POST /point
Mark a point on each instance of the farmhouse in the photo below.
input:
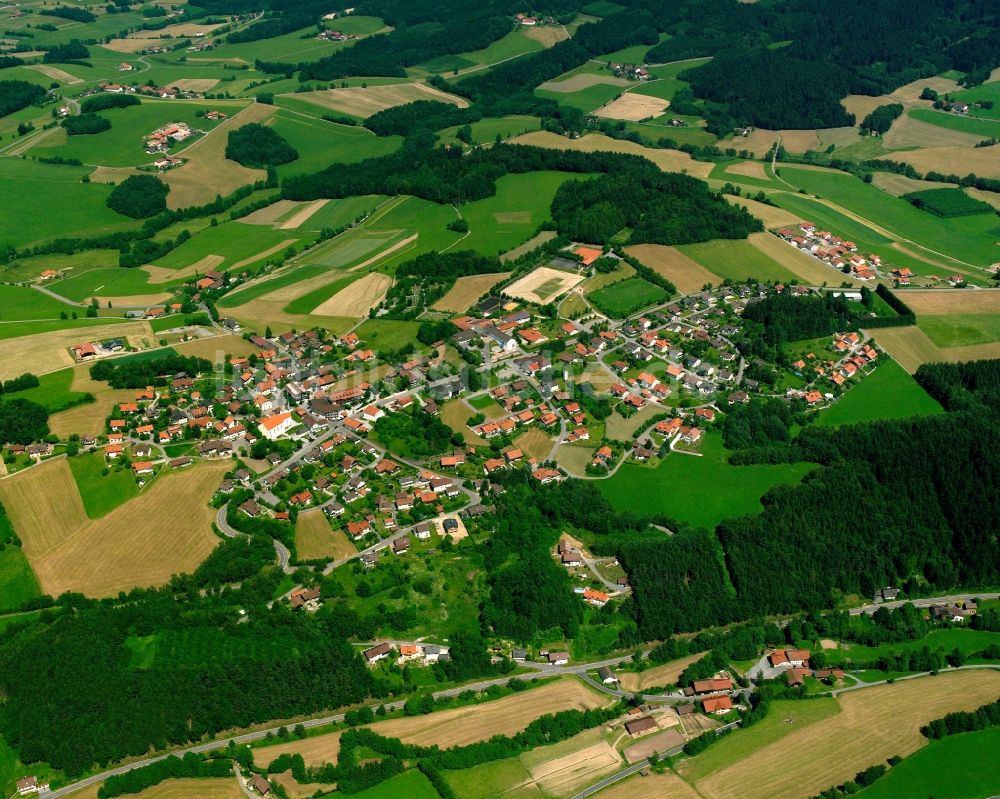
(789, 657)
(639, 726)
(717, 705)
(376, 653)
(30, 785)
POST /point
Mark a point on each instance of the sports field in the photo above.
(888, 393)
(736, 260)
(542, 285)
(314, 538)
(467, 290)
(140, 543)
(873, 725)
(700, 490)
(627, 296)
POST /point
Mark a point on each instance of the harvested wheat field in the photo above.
(467, 290)
(952, 301)
(563, 769)
(55, 73)
(910, 93)
(547, 35)
(980, 161)
(456, 413)
(181, 30)
(315, 539)
(657, 676)
(909, 132)
(46, 352)
(861, 105)
(194, 84)
(669, 262)
(360, 102)
(988, 197)
(215, 348)
(357, 299)
(542, 284)
(575, 83)
(206, 171)
(750, 169)
(160, 274)
(911, 346)
(770, 215)
(466, 725)
(533, 243)
(534, 443)
(302, 216)
(898, 185)
(656, 786)
(574, 459)
(190, 788)
(633, 107)
(88, 419)
(810, 270)
(141, 543)
(297, 790)
(113, 174)
(667, 160)
(316, 750)
(270, 214)
(873, 725)
(128, 46)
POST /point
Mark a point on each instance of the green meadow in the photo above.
(122, 145)
(387, 334)
(108, 281)
(52, 201)
(234, 241)
(485, 131)
(960, 330)
(627, 296)
(101, 494)
(987, 128)
(966, 641)
(736, 260)
(699, 490)
(888, 393)
(53, 390)
(969, 238)
(17, 580)
(512, 216)
(514, 44)
(321, 143)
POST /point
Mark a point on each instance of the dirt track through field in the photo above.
(873, 725)
(55, 73)
(167, 530)
(358, 298)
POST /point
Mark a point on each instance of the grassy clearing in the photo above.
(873, 725)
(736, 260)
(888, 393)
(314, 538)
(485, 131)
(322, 143)
(702, 491)
(959, 330)
(53, 202)
(627, 296)
(956, 767)
(513, 214)
(387, 334)
(412, 784)
(508, 778)
(54, 390)
(983, 128)
(101, 494)
(784, 718)
(967, 641)
(17, 580)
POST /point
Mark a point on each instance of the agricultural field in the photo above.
(509, 218)
(70, 552)
(887, 393)
(357, 299)
(699, 490)
(467, 290)
(17, 581)
(38, 350)
(180, 789)
(387, 334)
(314, 538)
(667, 160)
(486, 130)
(980, 128)
(873, 724)
(412, 784)
(669, 262)
(627, 296)
(321, 143)
(101, 494)
(736, 260)
(361, 103)
(658, 676)
(956, 767)
(229, 246)
(633, 107)
(807, 269)
(515, 43)
(86, 419)
(946, 640)
(911, 346)
(960, 330)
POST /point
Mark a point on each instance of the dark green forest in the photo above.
(18, 94)
(138, 196)
(256, 145)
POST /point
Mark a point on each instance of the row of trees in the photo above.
(141, 372)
